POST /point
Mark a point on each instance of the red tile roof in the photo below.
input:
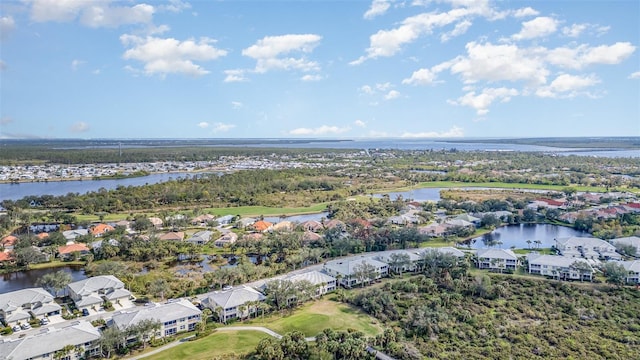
(101, 229)
(9, 240)
(6, 256)
(262, 225)
(71, 248)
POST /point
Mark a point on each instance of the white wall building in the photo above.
(21, 305)
(347, 268)
(559, 267)
(174, 317)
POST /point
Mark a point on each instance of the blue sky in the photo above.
(319, 69)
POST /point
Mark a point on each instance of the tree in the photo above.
(398, 261)
(582, 268)
(159, 288)
(365, 273)
(27, 255)
(614, 272)
(145, 330)
(54, 282)
(528, 215)
(111, 339)
(279, 293)
(490, 221)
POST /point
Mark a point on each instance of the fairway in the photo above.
(316, 316)
(224, 344)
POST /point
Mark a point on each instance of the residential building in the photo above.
(68, 251)
(202, 220)
(225, 220)
(48, 343)
(226, 239)
(172, 236)
(633, 271)
(559, 267)
(97, 245)
(334, 223)
(312, 225)
(8, 242)
(156, 222)
(246, 222)
(346, 269)
(21, 305)
(91, 293)
(629, 241)
(449, 251)
(496, 259)
(231, 304)
(262, 226)
(587, 247)
(201, 237)
(413, 259)
(71, 235)
(100, 229)
(309, 237)
(324, 283)
(174, 317)
(472, 219)
(283, 226)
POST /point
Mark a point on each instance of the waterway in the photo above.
(517, 235)
(28, 279)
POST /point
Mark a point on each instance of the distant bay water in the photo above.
(18, 191)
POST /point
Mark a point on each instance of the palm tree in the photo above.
(529, 243)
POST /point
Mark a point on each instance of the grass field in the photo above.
(502, 185)
(316, 316)
(227, 344)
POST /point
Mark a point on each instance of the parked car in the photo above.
(44, 321)
(25, 326)
(16, 328)
(227, 287)
(85, 312)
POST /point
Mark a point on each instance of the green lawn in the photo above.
(316, 316)
(267, 211)
(502, 185)
(224, 344)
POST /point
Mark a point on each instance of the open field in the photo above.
(316, 316)
(228, 344)
(503, 185)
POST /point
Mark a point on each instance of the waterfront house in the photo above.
(20, 306)
(282, 226)
(80, 337)
(174, 317)
(225, 220)
(633, 271)
(629, 241)
(312, 225)
(346, 270)
(262, 226)
(232, 303)
(472, 219)
(560, 267)
(496, 259)
(226, 239)
(93, 292)
(587, 247)
(200, 238)
(244, 223)
(202, 220)
(67, 252)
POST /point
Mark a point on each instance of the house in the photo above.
(448, 250)
(334, 223)
(97, 245)
(8, 242)
(174, 317)
(68, 251)
(231, 304)
(309, 237)
(6, 256)
(81, 335)
(435, 230)
(283, 226)
(253, 236)
(413, 256)
(559, 267)
(496, 259)
(629, 241)
(123, 223)
(227, 238)
(42, 236)
(405, 219)
(312, 225)
(173, 236)
(200, 238)
(472, 219)
(587, 247)
(23, 305)
(262, 226)
(245, 222)
(100, 229)
(202, 220)
(225, 220)
(633, 271)
(71, 235)
(91, 293)
(346, 270)
(156, 222)
(323, 283)
(460, 223)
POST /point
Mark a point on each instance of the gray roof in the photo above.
(94, 284)
(347, 266)
(386, 256)
(552, 260)
(631, 240)
(590, 242)
(447, 250)
(72, 234)
(497, 254)
(631, 266)
(48, 340)
(15, 299)
(201, 236)
(314, 277)
(232, 298)
(160, 312)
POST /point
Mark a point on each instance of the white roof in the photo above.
(631, 266)
(386, 256)
(446, 250)
(552, 260)
(160, 312)
(48, 341)
(94, 284)
(232, 298)
(15, 299)
(459, 222)
(496, 254)
(631, 240)
(347, 266)
(314, 277)
(584, 242)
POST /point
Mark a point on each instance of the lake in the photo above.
(517, 235)
(27, 279)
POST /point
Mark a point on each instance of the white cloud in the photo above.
(322, 130)
(455, 131)
(221, 127)
(566, 86)
(584, 55)
(378, 7)
(165, 56)
(309, 77)
(236, 104)
(366, 89)
(7, 24)
(175, 6)
(483, 100)
(268, 51)
(393, 94)
(458, 30)
(574, 30)
(421, 77)
(6, 120)
(635, 75)
(360, 123)
(79, 127)
(76, 63)
(524, 12)
(538, 27)
(235, 75)
(91, 13)
(203, 125)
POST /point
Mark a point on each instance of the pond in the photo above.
(27, 279)
(517, 235)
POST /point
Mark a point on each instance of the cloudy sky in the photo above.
(316, 69)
